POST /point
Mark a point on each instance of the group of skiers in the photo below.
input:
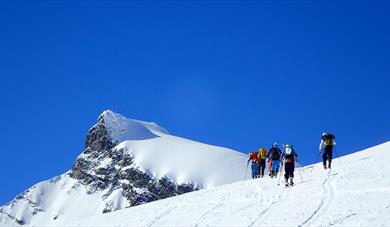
(275, 159)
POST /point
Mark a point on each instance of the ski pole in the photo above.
(280, 171)
(246, 170)
(299, 170)
(319, 153)
(337, 156)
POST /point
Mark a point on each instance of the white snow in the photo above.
(61, 195)
(120, 128)
(356, 192)
(187, 161)
(182, 160)
(63, 199)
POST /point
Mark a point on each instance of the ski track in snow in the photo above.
(162, 215)
(326, 200)
(209, 212)
(262, 215)
(339, 221)
(355, 194)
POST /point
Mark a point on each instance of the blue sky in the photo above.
(240, 74)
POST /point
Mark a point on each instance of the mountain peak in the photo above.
(120, 128)
(125, 163)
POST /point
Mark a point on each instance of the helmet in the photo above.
(324, 134)
(288, 145)
(275, 145)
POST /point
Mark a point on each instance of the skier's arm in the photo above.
(321, 146)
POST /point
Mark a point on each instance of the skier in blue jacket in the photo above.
(274, 159)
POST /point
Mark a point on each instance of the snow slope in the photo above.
(182, 160)
(356, 192)
(63, 199)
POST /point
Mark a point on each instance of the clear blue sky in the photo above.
(240, 74)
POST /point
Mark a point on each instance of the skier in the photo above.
(274, 160)
(326, 145)
(254, 160)
(262, 155)
(289, 155)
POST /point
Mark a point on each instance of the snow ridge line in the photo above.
(326, 200)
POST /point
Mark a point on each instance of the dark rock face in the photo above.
(102, 167)
(98, 138)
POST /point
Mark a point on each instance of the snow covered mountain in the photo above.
(356, 192)
(128, 162)
(125, 163)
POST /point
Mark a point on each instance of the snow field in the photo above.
(356, 192)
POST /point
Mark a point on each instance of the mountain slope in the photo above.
(125, 163)
(356, 192)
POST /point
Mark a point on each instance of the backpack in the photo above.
(262, 153)
(289, 157)
(328, 140)
(288, 150)
(275, 154)
(253, 157)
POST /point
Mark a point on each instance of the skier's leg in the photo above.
(262, 167)
(288, 173)
(324, 158)
(286, 169)
(259, 169)
(270, 168)
(291, 173)
(292, 176)
(275, 166)
(254, 169)
(330, 159)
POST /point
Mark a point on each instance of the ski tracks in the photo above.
(210, 211)
(326, 200)
(268, 208)
(156, 219)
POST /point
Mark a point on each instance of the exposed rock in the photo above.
(98, 138)
(101, 166)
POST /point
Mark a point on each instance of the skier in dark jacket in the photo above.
(274, 159)
(262, 155)
(289, 155)
(326, 145)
